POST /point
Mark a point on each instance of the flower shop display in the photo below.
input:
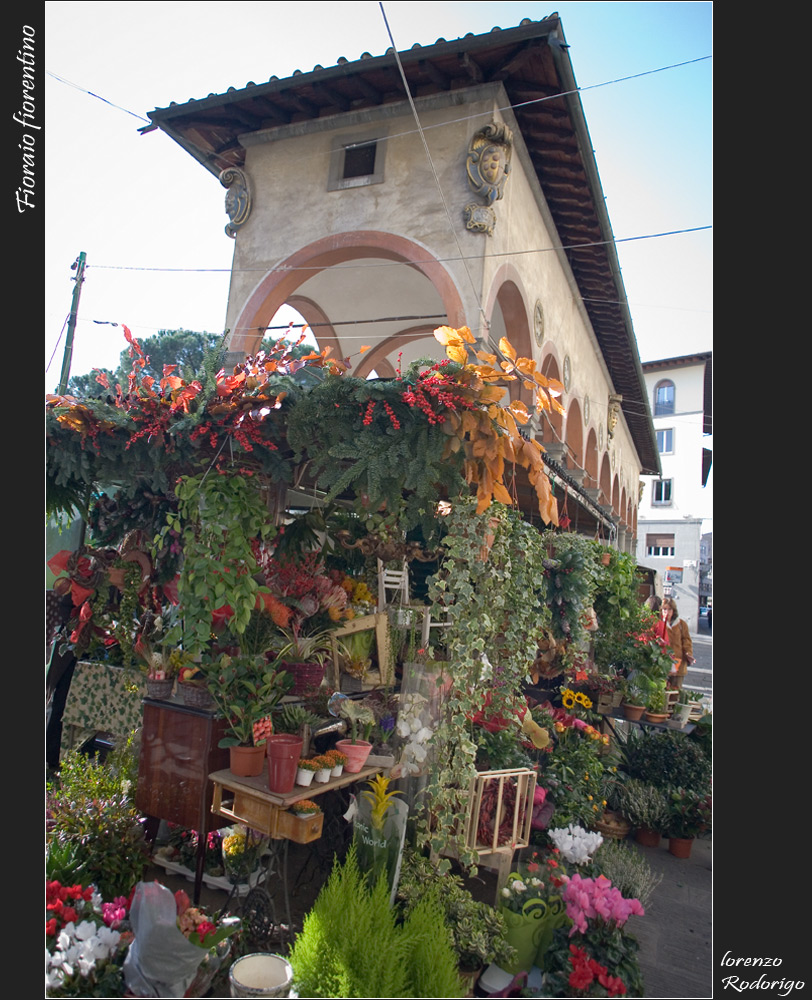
(645, 806)
(86, 941)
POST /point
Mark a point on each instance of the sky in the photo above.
(151, 220)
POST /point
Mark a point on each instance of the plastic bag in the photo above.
(160, 961)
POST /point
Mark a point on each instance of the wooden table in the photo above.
(250, 802)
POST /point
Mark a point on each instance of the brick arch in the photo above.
(278, 285)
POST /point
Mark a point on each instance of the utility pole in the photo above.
(79, 266)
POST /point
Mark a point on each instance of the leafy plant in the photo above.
(245, 689)
(478, 929)
(665, 758)
(218, 518)
(689, 812)
(93, 820)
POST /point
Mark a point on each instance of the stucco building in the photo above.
(451, 184)
(675, 503)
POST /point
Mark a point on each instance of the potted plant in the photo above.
(362, 720)
(646, 807)
(298, 720)
(338, 761)
(689, 812)
(305, 771)
(242, 850)
(324, 767)
(656, 704)
(245, 689)
(686, 700)
(634, 701)
(305, 807)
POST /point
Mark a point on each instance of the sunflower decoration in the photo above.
(571, 700)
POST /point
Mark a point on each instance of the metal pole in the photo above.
(79, 266)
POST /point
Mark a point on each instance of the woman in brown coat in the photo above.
(679, 636)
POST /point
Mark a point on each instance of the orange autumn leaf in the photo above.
(366, 347)
(489, 359)
(507, 348)
(447, 335)
(519, 411)
(501, 494)
(458, 353)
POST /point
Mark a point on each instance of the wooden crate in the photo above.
(301, 829)
(511, 820)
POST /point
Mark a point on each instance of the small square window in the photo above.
(665, 441)
(662, 491)
(356, 161)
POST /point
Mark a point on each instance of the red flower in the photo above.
(204, 929)
(614, 984)
(50, 927)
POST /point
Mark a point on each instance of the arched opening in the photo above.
(591, 459)
(553, 421)
(363, 288)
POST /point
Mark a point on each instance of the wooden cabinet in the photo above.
(178, 752)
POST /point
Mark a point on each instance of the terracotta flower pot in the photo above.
(246, 762)
(648, 838)
(680, 847)
(656, 716)
(633, 712)
(356, 754)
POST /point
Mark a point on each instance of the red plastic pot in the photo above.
(284, 751)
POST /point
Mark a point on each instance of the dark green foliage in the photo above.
(665, 758)
(497, 751)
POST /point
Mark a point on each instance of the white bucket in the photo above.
(260, 975)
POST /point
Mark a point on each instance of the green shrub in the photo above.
(351, 944)
(96, 834)
(665, 758)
